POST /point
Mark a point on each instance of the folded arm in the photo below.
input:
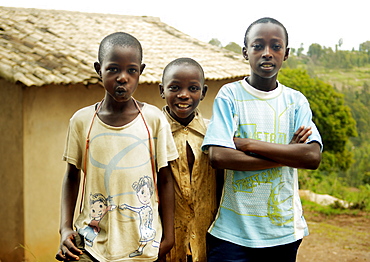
(305, 156)
(253, 154)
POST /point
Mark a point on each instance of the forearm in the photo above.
(166, 195)
(70, 189)
(229, 158)
(305, 156)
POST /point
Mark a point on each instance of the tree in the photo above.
(365, 47)
(216, 42)
(232, 46)
(331, 116)
(340, 42)
(300, 50)
(315, 51)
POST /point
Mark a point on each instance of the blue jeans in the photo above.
(224, 251)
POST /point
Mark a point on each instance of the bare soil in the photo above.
(336, 238)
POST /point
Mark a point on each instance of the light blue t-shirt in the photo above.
(259, 208)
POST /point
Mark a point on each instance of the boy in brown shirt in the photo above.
(195, 180)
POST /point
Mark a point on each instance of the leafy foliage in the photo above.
(232, 46)
(359, 172)
(216, 42)
(332, 117)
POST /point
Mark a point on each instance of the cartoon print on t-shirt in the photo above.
(144, 190)
(98, 208)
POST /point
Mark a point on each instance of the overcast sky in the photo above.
(315, 21)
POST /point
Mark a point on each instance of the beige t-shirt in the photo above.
(119, 219)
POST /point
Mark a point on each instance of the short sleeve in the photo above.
(223, 124)
(303, 115)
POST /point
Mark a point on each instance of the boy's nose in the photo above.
(267, 54)
(183, 94)
(122, 77)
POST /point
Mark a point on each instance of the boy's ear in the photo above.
(97, 68)
(245, 53)
(204, 91)
(161, 90)
(286, 54)
(142, 68)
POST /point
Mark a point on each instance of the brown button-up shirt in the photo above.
(195, 192)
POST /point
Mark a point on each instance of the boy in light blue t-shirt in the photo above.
(261, 131)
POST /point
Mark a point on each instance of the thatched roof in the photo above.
(40, 47)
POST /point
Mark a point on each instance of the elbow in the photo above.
(312, 157)
(215, 162)
(216, 159)
(314, 161)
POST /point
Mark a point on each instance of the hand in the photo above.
(68, 249)
(301, 135)
(165, 247)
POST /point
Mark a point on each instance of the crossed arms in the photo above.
(251, 154)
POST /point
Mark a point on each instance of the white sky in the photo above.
(315, 21)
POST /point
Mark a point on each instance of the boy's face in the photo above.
(183, 88)
(266, 49)
(120, 71)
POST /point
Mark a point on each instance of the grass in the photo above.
(330, 210)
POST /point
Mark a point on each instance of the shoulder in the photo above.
(289, 90)
(83, 114)
(232, 86)
(151, 110)
(153, 115)
(206, 121)
(296, 95)
(230, 91)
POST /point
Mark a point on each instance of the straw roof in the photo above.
(40, 47)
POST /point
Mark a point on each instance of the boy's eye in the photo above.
(257, 46)
(194, 88)
(173, 88)
(112, 69)
(276, 47)
(133, 70)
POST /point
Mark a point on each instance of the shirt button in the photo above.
(193, 236)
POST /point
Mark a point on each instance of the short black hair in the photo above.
(120, 39)
(265, 20)
(181, 61)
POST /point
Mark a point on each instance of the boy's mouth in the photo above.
(267, 65)
(183, 106)
(120, 91)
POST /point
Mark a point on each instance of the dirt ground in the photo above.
(336, 238)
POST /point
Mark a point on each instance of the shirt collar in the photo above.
(197, 124)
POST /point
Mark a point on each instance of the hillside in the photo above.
(341, 78)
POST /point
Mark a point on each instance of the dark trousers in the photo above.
(224, 251)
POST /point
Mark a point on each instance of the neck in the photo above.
(112, 106)
(263, 84)
(118, 113)
(182, 121)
